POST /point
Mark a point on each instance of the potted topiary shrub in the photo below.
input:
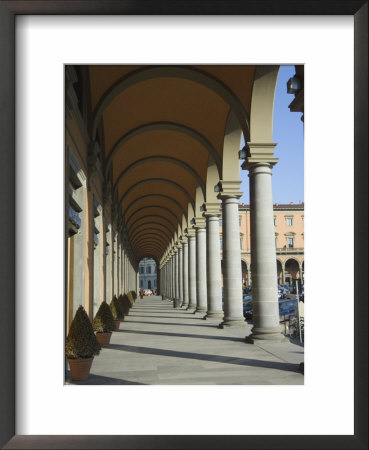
(81, 346)
(103, 324)
(130, 298)
(117, 312)
(126, 304)
(121, 304)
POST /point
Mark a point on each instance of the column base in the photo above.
(229, 323)
(214, 315)
(200, 313)
(184, 305)
(266, 335)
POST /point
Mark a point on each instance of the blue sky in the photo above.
(288, 173)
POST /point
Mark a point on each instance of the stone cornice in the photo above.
(259, 152)
(199, 222)
(229, 189)
(212, 209)
(71, 102)
(190, 232)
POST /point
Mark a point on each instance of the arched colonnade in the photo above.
(153, 163)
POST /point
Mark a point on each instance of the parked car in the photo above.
(287, 287)
(288, 307)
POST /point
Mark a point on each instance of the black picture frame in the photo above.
(8, 10)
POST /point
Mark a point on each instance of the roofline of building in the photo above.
(276, 206)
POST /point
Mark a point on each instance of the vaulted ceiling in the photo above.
(161, 128)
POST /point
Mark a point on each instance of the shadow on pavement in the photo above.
(166, 317)
(199, 336)
(209, 325)
(97, 379)
(288, 367)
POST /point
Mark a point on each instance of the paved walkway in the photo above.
(157, 344)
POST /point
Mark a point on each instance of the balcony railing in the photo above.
(285, 250)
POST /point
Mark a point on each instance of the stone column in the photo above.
(213, 265)
(122, 269)
(158, 281)
(165, 286)
(201, 288)
(119, 266)
(173, 280)
(170, 277)
(283, 274)
(127, 274)
(185, 274)
(192, 269)
(263, 254)
(180, 273)
(232, 274)
(167, 277)
(176, 279)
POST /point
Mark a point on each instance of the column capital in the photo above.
(211, 209)
(259, 152)
(190, 232)
(199, 222)
(183, 239)
(229, 189)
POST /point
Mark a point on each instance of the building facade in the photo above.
(288, 221)
(147, 274)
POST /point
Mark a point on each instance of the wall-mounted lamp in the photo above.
(242, 154)
(293, 85)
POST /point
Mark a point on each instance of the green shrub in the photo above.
(116, 309)
(121, 304)
(126, 304)
(81, 341)
(104, 320)
(130, 297)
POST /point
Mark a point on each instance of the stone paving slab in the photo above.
(157, 344)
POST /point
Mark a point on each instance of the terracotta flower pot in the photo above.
(117, 324)
(80, 368)
(103, 338)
